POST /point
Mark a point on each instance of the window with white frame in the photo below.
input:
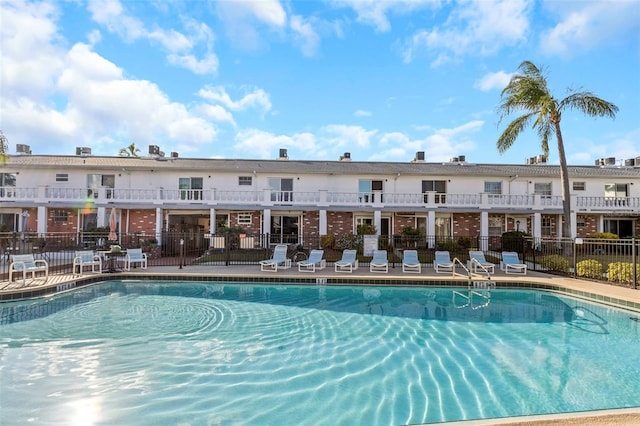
(437, 186)
(190, 188)
(7, 184)
(281, 189)
(616, 190)
(496, 226)
(367, 189)
(245, 180)
(95, 182)
(546, 226)
(244, 218)
(579, 186)
(494, 188)
(62, 177)
(542, 188)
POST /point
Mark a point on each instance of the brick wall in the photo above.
(466, 224)
(339, 223)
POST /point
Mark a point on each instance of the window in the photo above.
(59, 215)
(496, 226)
(62, 177)
(222, 221)
(623, 228)
(437, 186)
(7, 184)
(244, 218)
(581, 222)
(190, 188)
(95, 182)
(281, 189)
(245, 180)
(579, 186)
(542, 188)
(366, 188)
(616, 190)
(493, 188)
(546, 226)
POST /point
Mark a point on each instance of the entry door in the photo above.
(285, 229)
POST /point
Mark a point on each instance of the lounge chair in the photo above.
(348, 263)
(85, 259)
(478, 262)
(279, 260)
(410, 262)
(442, 262)
(511, 264)
(379, 263)
(25, 263)
(315, 261)
(134, 256)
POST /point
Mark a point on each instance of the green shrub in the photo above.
(366, 229)
(347, 242)
(589, 268)
(327, 241)
(621, 272)
(555, 262)
(604, 236)
(448, 245)
(464, 243)
(513, 241)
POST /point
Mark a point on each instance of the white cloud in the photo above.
(340, 135)
(362, 113)
(257, 98)
(586, 25)
(374, 12)
(305, 35)
(263, 144)
(493, 80)
(474, 27)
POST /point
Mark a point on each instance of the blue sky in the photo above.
(381, 79)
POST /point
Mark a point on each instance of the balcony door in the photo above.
(285, 230)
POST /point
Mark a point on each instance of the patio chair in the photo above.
(25, 263)
(315, 261)
(348, 263)
(85, 259)
(410, 262)
(442, 262)
(379, 263)
(279, 260)
(134, 256)
(478, 261)
(511, 264)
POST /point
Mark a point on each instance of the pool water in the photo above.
(201, 353)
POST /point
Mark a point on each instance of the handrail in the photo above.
(453, 269)
(472, 261)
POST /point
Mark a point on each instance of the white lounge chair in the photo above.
(85, 259)
(410, 261)
(477, 262)
(348, 263)
(315, 261)
(279, 260)
(135, 256)
(511, 264)
(25, 263)
(442, 262)
(379, 263)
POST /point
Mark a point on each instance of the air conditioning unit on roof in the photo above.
(83, 150)
(23, 149)
(154, 150)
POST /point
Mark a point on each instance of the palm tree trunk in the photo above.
(564, 178)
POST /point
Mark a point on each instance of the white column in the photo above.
(431, 228)
(574, 225)
(266, 226)
(322, 223)
(42, 219)
(159, 225)
(484, 230)
(101, 218)
(559, 226)
(377, 220)
(212, 221)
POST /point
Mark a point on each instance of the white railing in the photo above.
(324, 198)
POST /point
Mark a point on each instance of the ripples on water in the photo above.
(140, 353)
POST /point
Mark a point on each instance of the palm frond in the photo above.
(513, 130)
(589, 104)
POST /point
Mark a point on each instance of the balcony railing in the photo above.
(321, 198)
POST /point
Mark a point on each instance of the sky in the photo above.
(380, 79)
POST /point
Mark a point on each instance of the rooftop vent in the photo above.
(83, 150)
(538, 159)
(345, 157)
(458, 159)
(174, 154)
(23, 149)
(283, 154)
(419, 158)
(609, 161)
(154, 150)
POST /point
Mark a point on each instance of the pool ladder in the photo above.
(476, 289)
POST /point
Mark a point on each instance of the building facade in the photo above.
(291, 200)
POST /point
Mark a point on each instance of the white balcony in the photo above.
(321, 199)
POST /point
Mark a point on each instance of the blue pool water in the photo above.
(202, 353)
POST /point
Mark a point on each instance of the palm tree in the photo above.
(130, 151)
(4, 147)
(527, 91)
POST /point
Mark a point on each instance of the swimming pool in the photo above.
(203, 353)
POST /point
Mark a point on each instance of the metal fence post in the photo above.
(634, 263)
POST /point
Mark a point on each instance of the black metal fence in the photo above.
(614, 261)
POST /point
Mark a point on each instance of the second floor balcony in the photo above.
(320, 199)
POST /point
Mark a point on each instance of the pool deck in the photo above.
(395, 276)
